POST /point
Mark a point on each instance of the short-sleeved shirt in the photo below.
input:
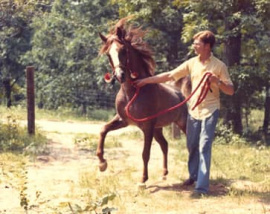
(196, 69)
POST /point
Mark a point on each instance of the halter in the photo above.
(108, 77)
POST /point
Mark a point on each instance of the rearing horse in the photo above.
(131, 58)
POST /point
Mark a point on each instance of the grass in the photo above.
(14, 137)
(240, 176)
(225, 158)
(61, 114)
(86, 141)
(239, 180)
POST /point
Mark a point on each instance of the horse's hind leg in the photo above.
(159, 137)
(114, 124)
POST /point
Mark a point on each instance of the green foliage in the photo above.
(60, 38)
(231, 20)
(225, 135)
(100, 114)
(15, 36)
(95, 205)
(65, 50)
(164, 24)
(15, 138)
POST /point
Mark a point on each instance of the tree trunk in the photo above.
(266, 110)
(232, 52)
(7, 87)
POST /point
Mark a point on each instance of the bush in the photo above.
(13, 137)
(225, 135)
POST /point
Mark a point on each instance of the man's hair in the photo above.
(206, 36)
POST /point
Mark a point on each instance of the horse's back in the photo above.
(154, 99)
(157, 99)
(170, 97)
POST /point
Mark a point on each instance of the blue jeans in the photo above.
(200, 134)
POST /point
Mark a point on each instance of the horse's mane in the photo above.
(134, 36)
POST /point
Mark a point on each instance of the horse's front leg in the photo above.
(148, 137)
(114, 124)
(159, 137)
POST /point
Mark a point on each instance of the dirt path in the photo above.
(52, 178)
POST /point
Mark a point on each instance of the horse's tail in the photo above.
(183, 85)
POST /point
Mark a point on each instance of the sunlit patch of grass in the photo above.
(95, 184)
(60, 114)
(98, 183)
(10, 165)
(137, 134)
(245, 170)
(19, 111)
(13, 173)
(241, 163)
(239, 170)
(90, 141)
(15, 138)
(64, 114)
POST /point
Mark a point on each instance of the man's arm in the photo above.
(160, 78)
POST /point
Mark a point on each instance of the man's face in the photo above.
(199, 46)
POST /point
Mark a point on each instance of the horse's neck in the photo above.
(128, 89)
(136, 65)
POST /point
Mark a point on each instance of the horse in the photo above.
(131, 58)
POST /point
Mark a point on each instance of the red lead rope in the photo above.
(204, 91)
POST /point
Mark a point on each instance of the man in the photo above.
(201, 121)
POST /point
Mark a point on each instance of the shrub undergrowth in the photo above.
(15, 138)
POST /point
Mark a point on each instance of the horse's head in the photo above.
(117, 52)
(128, 55)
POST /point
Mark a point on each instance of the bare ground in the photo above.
(52, 178)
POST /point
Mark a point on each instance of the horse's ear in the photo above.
(104, 39)
(120, 33)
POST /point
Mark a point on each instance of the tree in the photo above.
(263, 54)
(239, 28)
(164, 24)
(65, 50)
(15, 36)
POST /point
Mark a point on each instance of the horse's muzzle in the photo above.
(120, 75)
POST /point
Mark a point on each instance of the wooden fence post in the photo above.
(30, 99)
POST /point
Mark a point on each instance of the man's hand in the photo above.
(140, 82)
(214, 79)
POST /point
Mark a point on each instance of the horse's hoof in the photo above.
(141, 186)
(103, 166)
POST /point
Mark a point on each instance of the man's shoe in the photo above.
(189, 182)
